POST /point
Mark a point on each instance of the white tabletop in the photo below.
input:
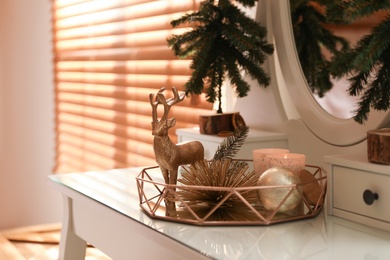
(322, 237)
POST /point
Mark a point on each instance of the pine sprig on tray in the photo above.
(232, 144)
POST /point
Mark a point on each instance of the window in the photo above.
(109, 56)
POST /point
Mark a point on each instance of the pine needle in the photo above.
(232, 144)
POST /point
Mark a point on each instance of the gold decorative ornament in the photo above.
(282, 194)
(170, 156)
(218, 173)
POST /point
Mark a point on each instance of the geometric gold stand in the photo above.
(236, 206)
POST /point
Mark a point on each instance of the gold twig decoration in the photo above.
(219, 173)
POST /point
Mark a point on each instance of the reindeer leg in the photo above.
(169, 203)
(165, 174)
(173, 177)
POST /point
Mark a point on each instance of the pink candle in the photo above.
(260, 160)
(291, 161)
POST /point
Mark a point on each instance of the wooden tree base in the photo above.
(220, 124)
(378, 146)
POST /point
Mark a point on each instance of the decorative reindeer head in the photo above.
(160, 127)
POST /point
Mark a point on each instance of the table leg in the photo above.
(72, 247)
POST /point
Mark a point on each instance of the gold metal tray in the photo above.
(233, 207)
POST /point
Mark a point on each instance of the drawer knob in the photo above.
(369, 197)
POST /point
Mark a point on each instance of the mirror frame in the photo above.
(330, 129)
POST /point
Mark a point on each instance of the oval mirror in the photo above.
(334, 128)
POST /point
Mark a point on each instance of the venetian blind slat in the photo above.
(105, 126)
(110, 151)
(122, 134)
(144, 39)
(132, 12)
(79, 159)
(122, 111)
(134, 80)
(68, 7)
(58, 4)
(86, 153)
(123, 92)
(158, 67)
(142, 25)
(91, 162)
(138, 53)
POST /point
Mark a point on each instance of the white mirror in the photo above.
(335, 130)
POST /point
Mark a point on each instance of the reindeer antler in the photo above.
(176, 97)
(167, 103)
(155, 103)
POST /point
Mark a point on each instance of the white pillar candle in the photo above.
(260, 161)
(291, 161)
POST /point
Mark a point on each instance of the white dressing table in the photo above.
(102, 208)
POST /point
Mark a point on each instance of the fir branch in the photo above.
(347, 11)
(247, 3)
(183, 45)
(215, 77)
(249, 47)
(223, 37)
(231, 145)
(375, 87)
(255, 72)
(368, 63)
(242, 87)
(311, 37)
(370, 47)
(201, 62)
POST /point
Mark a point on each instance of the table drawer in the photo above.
(349, 186)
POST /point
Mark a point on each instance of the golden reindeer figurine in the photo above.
(170, 156)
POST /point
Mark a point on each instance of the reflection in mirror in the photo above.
(367, 64)
(317, 42)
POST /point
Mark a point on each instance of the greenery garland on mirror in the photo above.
(223, 43)
(367, 64)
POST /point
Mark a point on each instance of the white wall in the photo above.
(26, 125)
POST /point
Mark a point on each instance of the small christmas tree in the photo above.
(368, 63)
(223, 42)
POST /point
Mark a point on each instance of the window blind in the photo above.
(108, 57)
